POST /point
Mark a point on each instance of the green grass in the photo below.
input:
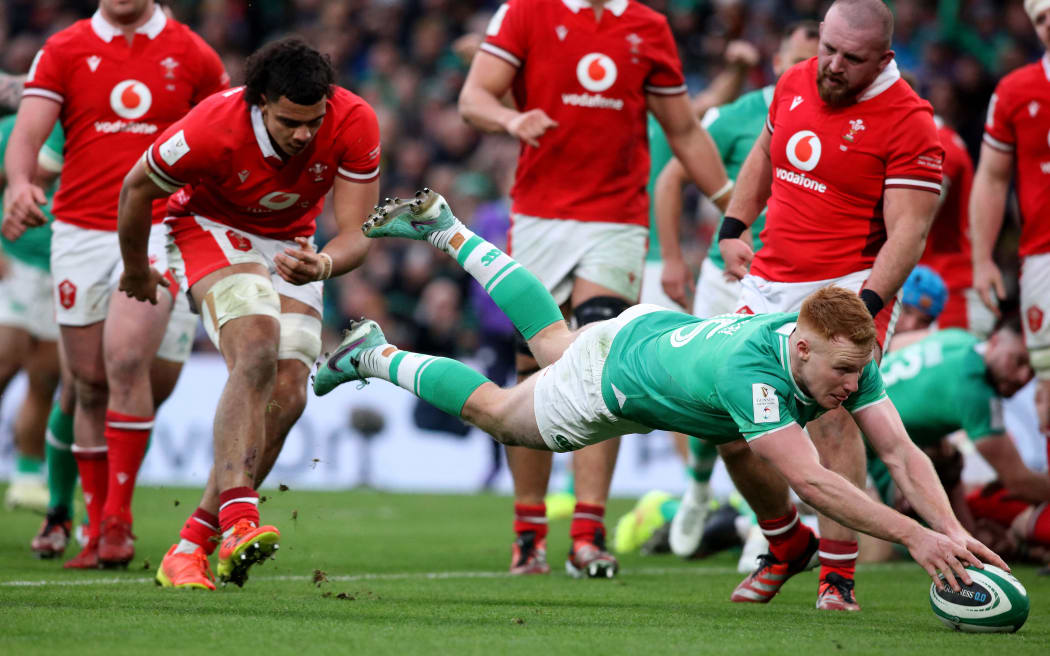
(378, 548)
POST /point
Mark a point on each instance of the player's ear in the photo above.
(802, 346)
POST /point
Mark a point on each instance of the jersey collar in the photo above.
(262, 137)
(617, 7)
(783, 333)
(107, 31)
(884, 81)
(1046, 65)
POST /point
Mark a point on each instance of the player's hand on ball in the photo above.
(986, 279)
(937, 552)
(677, 281)
(303, 265)
(529, 126)
(142, 286)
(737, 255)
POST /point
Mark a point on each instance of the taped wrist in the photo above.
(326, 266)
(871, 300)
(731, 228)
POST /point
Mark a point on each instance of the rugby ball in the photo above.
(995, 602)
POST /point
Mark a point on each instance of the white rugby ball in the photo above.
(995, 602)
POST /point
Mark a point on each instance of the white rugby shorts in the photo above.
(570, 411)
(557, 251)
(26, 300)
(1035, 307)
(85, 270)
(714, 294)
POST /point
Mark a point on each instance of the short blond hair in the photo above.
(836, 312)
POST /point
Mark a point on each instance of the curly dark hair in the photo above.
(290, 68)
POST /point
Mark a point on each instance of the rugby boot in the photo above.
(836, 593)
(245, 546)
(589, 558)
(341, 366)
(87, 558)
(54, 534)
(528, 555)
(687, 526)
(771, 574)
(413, 218)
(116, 543)
(185, 570)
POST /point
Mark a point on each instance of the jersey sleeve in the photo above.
(360, 140)
(778, 94)
(915, 154)
(870, 390)
(665, 76)
(998, 124)
(212, 77)
(506, 36)
(47, 74)
(181, 155)
(757, 403)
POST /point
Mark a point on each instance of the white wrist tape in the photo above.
(725, 189)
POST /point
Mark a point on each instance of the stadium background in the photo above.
(402, 57)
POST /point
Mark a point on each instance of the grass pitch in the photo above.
(376, 573)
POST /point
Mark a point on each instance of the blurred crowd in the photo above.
(405, 58)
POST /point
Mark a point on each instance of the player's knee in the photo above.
(256, 364)
(599, 308)
(91, 393)
(126, 368)
(300, 338)
(235, 296)
(289, 392)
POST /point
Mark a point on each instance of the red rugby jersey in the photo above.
(116, 98)
(948, 244)
(219, 163)
(1019, 123)
(592, 77)
(831, 166)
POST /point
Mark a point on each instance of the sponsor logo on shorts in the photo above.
(67, 294)
(1035, 318)
(563, 443)
(239, 241)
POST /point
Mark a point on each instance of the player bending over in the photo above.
(761, 379)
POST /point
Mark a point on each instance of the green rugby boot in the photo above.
(417, 218)
(341, 366)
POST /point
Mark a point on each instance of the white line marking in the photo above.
(420, 576)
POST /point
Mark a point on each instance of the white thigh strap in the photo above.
(300, 338)
(238, 295)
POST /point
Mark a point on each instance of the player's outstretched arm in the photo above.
(23, 198)
(487, 82)
(134, 217)
(909, 214)
(1001, 453)
(346, 250)
(676, 278)
(991, 184)
(793, 454)
(914, 474)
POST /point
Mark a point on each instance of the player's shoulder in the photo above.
(800, 77)
(749, 103)
(76, 36)
(182, 38)
(641, 12)
(348, 109)
(1018, 81)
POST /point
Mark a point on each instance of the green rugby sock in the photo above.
(702, 458)
(61, 465)
(443, 382)
(28, 465)
(517, 292)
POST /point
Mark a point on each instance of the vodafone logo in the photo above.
(803, 150)
(278, 200)
(596, 72)
(130, 99)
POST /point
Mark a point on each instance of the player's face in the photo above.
(796, 48)
(830, 369)
(1008, 365)
(292, 126)
(848, 59)
(125, 11)
(1042, 27)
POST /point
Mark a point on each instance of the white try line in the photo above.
(407, 576)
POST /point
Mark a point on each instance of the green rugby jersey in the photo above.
(718, 379)
(734, 128)
(659, 155)
(940, 385)
(34, 246)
